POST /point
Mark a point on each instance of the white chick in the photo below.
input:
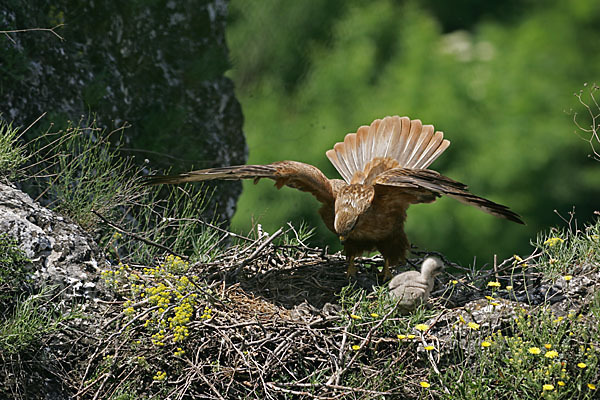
(412, 287)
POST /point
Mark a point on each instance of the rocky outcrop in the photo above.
(62, 255)
(155, 66)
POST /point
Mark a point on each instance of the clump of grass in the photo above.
(34, 317)
(12, 153)
(565, 249)
(14, 276)
(82, 171)
(168, 216)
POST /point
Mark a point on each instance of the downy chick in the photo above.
(412, 287)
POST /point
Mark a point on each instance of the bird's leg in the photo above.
(352, 270)
(386, 273)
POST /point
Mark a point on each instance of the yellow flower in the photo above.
(454, 282)
(473, 325)
(509, 288)
(374, 315)
(429, 348)
(179, 352)
(548, 387)
(551, 354)
(534, 350)
(519, 259)
(422, 327)
(160, 376)
(582, 365)
(355, 316)
(548, 346)
(490, 298)
(561, 383)
(591, 386)
(553, 241)
(568, 277)
(410, 336)
(595, 237)
(493, 284)
(401, 337)
(424, 384)
(461, 319)
(355, 347)
(485, 344)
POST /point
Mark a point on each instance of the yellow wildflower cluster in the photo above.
(406, 337)
(160, 376)
(115, 277)
(552, 363)
(157, 338)
(116, 236)
(207, 313)
(473, 325)
(171, 296)
(179, 352)
(553, 241)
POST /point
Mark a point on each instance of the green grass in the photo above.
(540, 354)
(34, 317)
(85, 172)
(12, 152)
(14, 276)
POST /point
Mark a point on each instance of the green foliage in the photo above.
(88, 173)
(167, 216)
(12, 153)
(499, 91)
(541, 353)
(34, 317)
(563, 248)
(13, 272)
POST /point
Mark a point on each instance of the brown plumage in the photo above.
(384, 167)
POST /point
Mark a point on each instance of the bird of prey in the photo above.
(412, 288)
(384, 171)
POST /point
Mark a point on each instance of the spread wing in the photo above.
(297, 175)
(424, 185)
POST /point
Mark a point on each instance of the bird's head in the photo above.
(431, 267)
(350, 203)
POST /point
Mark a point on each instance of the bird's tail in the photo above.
(397, 141)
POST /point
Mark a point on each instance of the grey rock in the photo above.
(61, 253)
(157, 67)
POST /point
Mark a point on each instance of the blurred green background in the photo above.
(497, 77)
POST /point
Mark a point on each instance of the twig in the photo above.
(138, 237)
(365, 341)
(261, 247)
(213, 226)
(51, 30)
